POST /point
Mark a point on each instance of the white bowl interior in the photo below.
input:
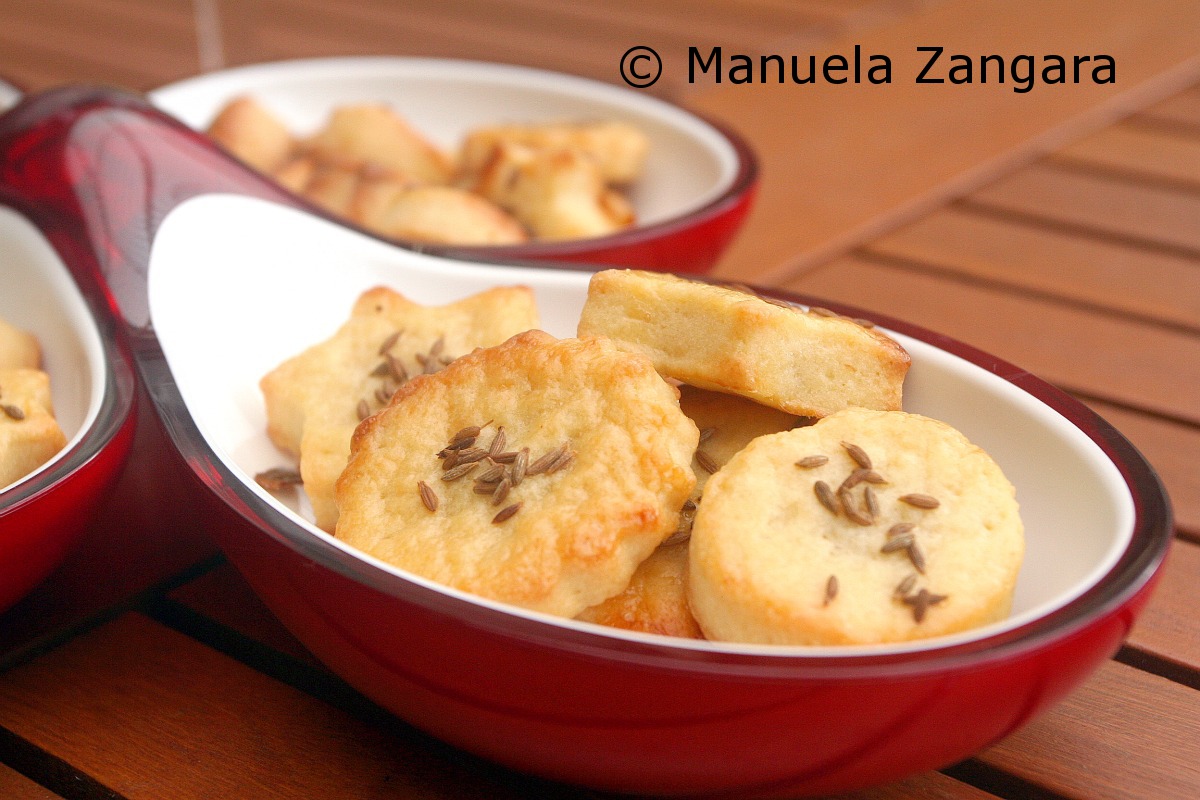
(229, 308)
(689, 163)
(41, 297)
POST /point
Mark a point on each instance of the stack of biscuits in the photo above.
(700, 461)
(29, 434)
(506, 184)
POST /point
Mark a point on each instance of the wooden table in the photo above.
(1058, 228)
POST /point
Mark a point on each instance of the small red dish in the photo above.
(700, 178)
(186, 240)
(92, 385)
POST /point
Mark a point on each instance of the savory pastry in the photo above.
(253, 134)
(375, 134)
(655, 601)
(18, 348)
(540, 472)
(866, 527)
(438, 214)
(557, 194)
(618, 148)
(315, 399)
(29, 434)
(729, 340)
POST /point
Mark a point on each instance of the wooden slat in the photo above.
(183, 721)
(1028, 257)
(1101, 205)
(15, 786)
(1140, 152)
(1182, 109)
(1130, 363)
(83, 42)
(858, 160)
(1169, 627)
(1171, 447)
(1123, 735)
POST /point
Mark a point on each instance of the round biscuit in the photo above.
(580, 531)
(770, 562)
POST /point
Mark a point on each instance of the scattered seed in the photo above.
(871, 502)
(383, 395)
(459, 470)
(853, 513)
(482, 487)
(905, 586)
(427, 496)
(14, 412)
(902, 542)
(278, 478)
(469, 432)
(498, 441)
(363, 410)
(865, 323)
(900, 528)
(492, 474)
(380, 370)
(505, 513)
(520, 464)
(507, 457)
(395, 369)
(562, 462)
(822, 312)
(827, 497)
(920, 500)
(809, 462)
(858, 454)
(438, 346)
(706, 434)
(390, 341)
(916, 556)
(871, 476)
(921, 601)
(706, 462)
(501, 490)
(775, 301)
(831, 589)
(471, 454)
(544, 462)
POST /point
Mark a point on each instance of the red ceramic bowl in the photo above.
(43, 513)
(700, 177)
(189, 243)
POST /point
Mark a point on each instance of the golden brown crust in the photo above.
(438, 214)
(29, 434)
(580, 531)
(557, 194)
(765, 546)
(731, 341)
(655, 601)
(617, 148)
(253, 134)
(313, 399)
(374, 134)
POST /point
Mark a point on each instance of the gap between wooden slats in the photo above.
(1140, 213)
(1138, 152)
(1047, 260)
(1131, 364)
